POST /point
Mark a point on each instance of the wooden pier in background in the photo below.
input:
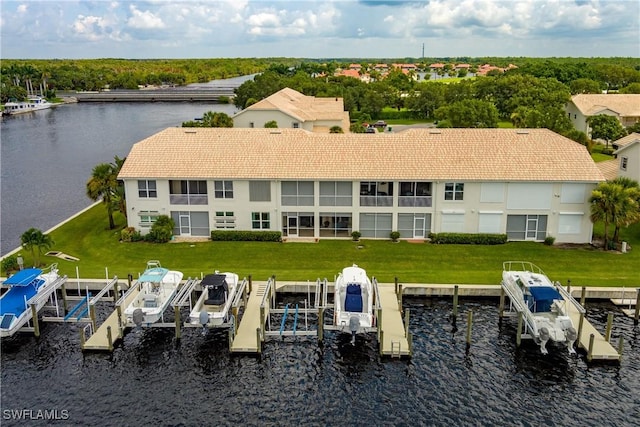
(109, 332)
(393, 333)
(602, 349)
(248, 339)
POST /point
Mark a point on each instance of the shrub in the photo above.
(356, 236)
(161, 230)
(130, 234)
(10, 263)
(394, 235)
(246, 236)
(468, 238)
(549, 240)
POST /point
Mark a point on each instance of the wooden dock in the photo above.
(394, 340)
(246, 339)
(100, 340)
(602, 349)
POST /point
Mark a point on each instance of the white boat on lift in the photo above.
(33, 103)
(353, 302)
(158, 286)
(15, 310)
(544, 309)
(213, 306)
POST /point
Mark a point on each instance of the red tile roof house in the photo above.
(324, 186)
(291, 109)
(626, 107)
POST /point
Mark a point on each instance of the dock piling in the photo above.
(34, 317)
(590, 351)
(455, 302)
(63, 291)
(320, 325)
(469, 325)
(406, 323)
(620, 344)
(109, 338)
(583, 296)
(637, 312)
(607, 334)
(400, 297)
(519, 333)
(250, 283)
(501, 308)
(176, 310)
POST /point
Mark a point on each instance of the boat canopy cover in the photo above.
(23, 277)
(544, 296)
(216, 286)
(353, 300)
(154, 275)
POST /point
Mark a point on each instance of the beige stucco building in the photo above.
(626, 107)
(291, 109)
(527, 183)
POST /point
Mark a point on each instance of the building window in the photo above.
(147, 189)
(188, 192)
(225, 220)
(260, 221)
(376, 225)
(147, 218)
(259, 191)
(335, 224)
(454, 191)
(296, 125)
(623, 163)
(415, 194)
(527, 227)
(297, 193)
(191, 223)
(376, 193)
(251, 124)
(298, 224)
(336, 193)
(223, 189)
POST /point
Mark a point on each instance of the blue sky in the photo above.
(318, 29)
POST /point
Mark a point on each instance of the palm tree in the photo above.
(629, 212)
(102, 184)
(34, 239)
(612, 203)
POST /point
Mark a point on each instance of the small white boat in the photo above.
(218, 292)
(353, 301)
(158, 286)
(15, 309)
(33, 103)
(543, 308)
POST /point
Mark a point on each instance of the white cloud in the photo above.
(144, 20)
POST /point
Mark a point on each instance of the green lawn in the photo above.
(88, 238)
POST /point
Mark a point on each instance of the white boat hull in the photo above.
(353, 301)
(216, 315)
(152, 301)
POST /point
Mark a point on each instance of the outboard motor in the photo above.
(138, 318)
(572, 336)
(354, 325)
(204, 319)
(544, 337)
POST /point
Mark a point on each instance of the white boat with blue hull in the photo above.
(543, 304)
(353, 302)
(25, 288)
(214, 304)
(157, 287)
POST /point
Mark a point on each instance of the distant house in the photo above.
(291, 109)
(625, 107)
(326, 186)
(628, 156)
(356, 74)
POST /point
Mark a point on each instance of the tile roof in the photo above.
(435, 154)
(609, 168)
(626, 105)
(301, 107)
(626, 140)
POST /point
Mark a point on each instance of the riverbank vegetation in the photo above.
(88, 237)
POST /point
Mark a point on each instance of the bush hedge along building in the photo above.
(526, 183)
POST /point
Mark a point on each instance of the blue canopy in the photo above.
(154, 275)
(23, 277)
(544, 293)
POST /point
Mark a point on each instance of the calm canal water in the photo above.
(47, 156)
(151, 380)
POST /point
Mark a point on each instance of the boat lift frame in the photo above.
(48, 293)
